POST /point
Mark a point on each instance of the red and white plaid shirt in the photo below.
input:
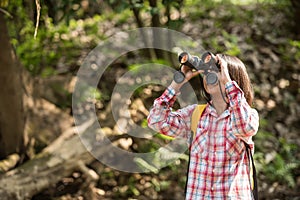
(219, 166)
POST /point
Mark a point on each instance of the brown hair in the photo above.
(238, 73)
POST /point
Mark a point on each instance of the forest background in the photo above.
(41, 154)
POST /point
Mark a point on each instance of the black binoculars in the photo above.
(207, 63)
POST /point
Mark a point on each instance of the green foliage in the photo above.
(142, 71)
(275, 157)
(231, 44)
(281, 170)
(150, 146)
(140, 68)
(163, 9)
(132, 188)
(293, 47)
(163, 137)
(295, 44)
(120, 6)
(228, 45)
(160, 185)
(89, 94)
(3, 3)
(60, 44)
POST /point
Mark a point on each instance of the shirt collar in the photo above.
(212, 111)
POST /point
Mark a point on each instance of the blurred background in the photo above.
(43, 44)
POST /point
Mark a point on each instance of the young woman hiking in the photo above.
(219, 165)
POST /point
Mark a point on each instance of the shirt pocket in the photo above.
(200, 143)
(234, 146)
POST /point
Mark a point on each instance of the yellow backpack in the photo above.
(195, 119)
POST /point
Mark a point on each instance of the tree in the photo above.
(157, 10)
(296, 7)
(12, 118)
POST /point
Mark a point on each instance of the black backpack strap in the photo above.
(250, 156)
(189, 161)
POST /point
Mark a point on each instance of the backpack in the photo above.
(194, 122)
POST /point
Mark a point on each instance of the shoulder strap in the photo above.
(195, 119)
(253, 178)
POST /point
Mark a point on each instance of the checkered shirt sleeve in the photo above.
(167, 121)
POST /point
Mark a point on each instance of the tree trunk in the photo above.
(155, 13)
(136, 13)
(12, 120)
(296, 7)
(155, 22)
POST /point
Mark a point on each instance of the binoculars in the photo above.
(207, 63)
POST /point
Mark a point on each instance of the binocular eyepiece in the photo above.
(207, 63)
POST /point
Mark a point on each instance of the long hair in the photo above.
(238, 73)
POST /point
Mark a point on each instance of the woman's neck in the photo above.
(219, 104)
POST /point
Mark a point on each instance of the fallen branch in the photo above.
(9, 163)
(58, 160)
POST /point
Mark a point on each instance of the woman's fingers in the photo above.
(225, 77)
(189, 72)
(221, 62)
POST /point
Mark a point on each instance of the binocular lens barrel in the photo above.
(178, 77)
(211, 78)
(188, 60)
(207, 63)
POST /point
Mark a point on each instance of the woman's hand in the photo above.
(188, 73)
(224, 74)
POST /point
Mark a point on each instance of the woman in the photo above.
(219, 166)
